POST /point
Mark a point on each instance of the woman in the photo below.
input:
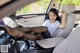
(49, 25)
(54, 22)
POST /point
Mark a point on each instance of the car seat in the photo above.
(60, 34)
(66, 31)
(71, 44)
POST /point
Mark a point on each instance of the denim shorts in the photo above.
(46, 35)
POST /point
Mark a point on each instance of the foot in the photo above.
(13, 32)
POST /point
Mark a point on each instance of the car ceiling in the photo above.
(2, 2)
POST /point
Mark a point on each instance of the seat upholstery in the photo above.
(66, 31)
(71, 44)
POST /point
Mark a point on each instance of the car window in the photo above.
(34, 8)
(71, 3)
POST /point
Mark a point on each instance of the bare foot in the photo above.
(14, 32)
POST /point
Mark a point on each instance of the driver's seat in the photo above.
(71, 44)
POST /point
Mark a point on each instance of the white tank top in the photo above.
(51, 26)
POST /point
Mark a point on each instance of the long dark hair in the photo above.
(56, 13)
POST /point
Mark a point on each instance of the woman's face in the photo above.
(52, 16)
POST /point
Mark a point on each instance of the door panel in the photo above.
(31, 22)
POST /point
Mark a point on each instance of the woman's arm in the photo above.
(63, 20)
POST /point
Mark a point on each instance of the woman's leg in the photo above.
(31, 36)
(26, 29)
(39, 29)
(18, 33)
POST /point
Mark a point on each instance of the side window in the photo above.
(34, 8)
(33, 14)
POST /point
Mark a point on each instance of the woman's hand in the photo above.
(63, 20)
(63, 13)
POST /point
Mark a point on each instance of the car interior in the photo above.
(65, 40)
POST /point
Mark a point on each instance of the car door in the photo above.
(32, 15)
